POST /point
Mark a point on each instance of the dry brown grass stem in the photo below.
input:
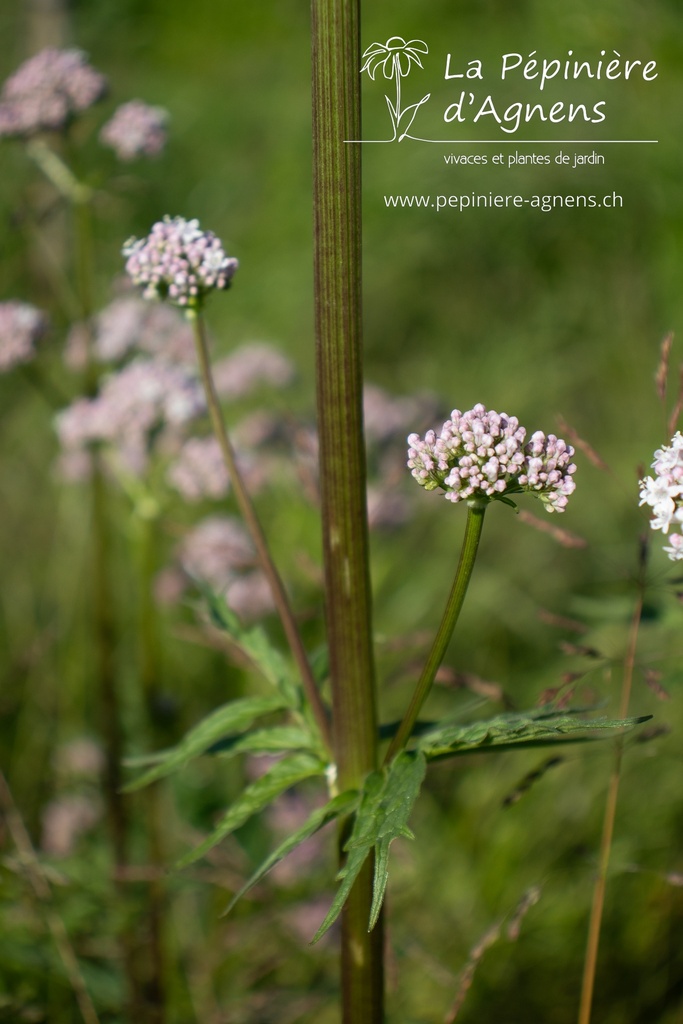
(600, 886)
(41, 889)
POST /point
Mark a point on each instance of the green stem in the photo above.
(104, 630)
(150, 679)
(57, 172)
(79, 198)
(254, 526)
(468, 554)
(338, 316)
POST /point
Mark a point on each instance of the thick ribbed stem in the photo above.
(337, 225)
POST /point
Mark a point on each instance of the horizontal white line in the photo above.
(518, 142)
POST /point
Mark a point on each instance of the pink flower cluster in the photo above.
(663, 492)
(129, 323)
(385, 415)
(133, 404)
(178, 261)
(481, 455)
(218, 551)
(249, 366)
(215, 549)
(135, 130)
(199, 471)
(47, 90)
(21, 326)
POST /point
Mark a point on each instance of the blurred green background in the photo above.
(539, 314)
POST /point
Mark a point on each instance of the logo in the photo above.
(396, 58)
(505, 94)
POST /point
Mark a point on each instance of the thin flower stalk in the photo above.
(468, 554)
(478, 457)
(600, 886)
(57, 172)
(251, 519)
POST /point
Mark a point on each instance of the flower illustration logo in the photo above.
(395, 58)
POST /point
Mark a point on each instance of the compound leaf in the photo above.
(404, 780)
(230, 719)
(386, 801)
(255, 797)
(538, 727)
(253, 641)
(339, 806)
(277, 740)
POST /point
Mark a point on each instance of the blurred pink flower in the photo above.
(130, 324)
(199, 471)
(82, 757)
(132, 404)
(249, 366)
(386, 416)
(47, 90)
(65, 820)
(250, 596)
(218, 551)
(169, 585)
(21, 327)
(214, 549)
(135, 130)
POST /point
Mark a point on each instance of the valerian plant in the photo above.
(479, 457)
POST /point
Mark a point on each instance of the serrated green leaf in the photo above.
(362, 828)
(402, 789)
(265, 741)
(338, 807)
(233, 718)
(254, 642)
(258, 795)
(537, 727)
(387, 799)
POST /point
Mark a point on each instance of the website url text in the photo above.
(490, 200)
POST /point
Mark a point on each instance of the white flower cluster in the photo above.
(481, 455)
(178, 261)
(663, 492)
